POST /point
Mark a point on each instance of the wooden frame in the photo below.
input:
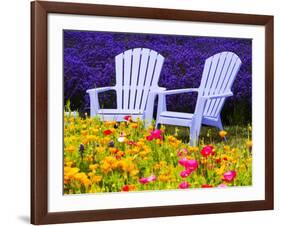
(39, 109)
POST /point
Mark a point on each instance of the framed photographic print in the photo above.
(145, 112)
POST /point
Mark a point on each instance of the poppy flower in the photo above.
(207, 150)
(143, 180)
(151, 178)
(185, 173)
(127, 188)
(130, 142)
(107, 132)
(206, 186)
(222, 186)
(146, 180)
(183, 162)
(183, 185)
(229, 176)
(155, 134)
(128, 118)
(189, 164)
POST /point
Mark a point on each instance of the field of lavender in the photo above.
(89, 62)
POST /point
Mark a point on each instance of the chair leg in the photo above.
(193, 137)
(157, 125)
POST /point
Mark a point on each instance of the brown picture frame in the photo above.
(39, 112)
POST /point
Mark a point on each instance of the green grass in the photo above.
(236, 135)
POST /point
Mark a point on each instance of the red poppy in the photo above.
(207, 150)
(149, 138)
(206, 186)
(107, 132)
(126, 188)
(128, 118)
(130, 142)
(218, 160)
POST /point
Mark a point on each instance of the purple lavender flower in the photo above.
(89, 62)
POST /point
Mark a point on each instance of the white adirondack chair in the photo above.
(137, 75)
(219, 73)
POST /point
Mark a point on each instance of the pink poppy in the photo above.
(183, 162)
(185, 173)
(189, 164)
(222, 186)
(207, 150)
(183, 185)
(146, 180)
(151, 178)
(155, 134)
(229, 176)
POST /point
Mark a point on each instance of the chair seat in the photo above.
(186, 116)
(175, 118)
(178, 115)
(119, 115)
(184, 119)
(119, 112)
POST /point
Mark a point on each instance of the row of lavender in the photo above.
(89, 62)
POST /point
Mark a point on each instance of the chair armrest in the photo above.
(101, 89)
(229, 94)
(158, 90)
(178, 91)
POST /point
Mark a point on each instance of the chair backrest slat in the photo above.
(228, 83)
(219, 73)
(148, 79)
(134, 77)
(142, 74)
(127, 78)
(214, 88)
(137, 71)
